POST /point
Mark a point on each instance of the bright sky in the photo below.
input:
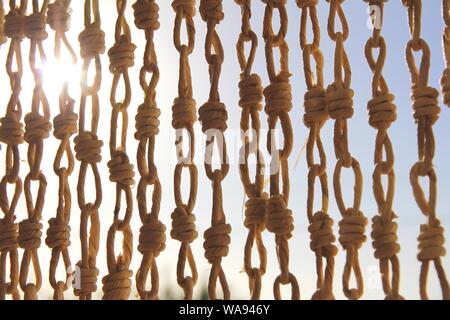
(403, 134)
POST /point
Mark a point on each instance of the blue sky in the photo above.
(361, 136)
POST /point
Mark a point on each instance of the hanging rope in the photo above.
(426, 113)
(88, 150)
(316, 115)
(251, 94)
(445, 80)
(278, 98)
(117, 284)
(213, 117)
(65, 124)
(382, 113)
(11, 133)
(152, 236)
(37, 128)
(184, 115)
(339, 98)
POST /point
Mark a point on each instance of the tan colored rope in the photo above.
(152, 236)
(2, 24)
(65, 125)
(213, 117)
(251, 94)
(11, 133)
(316, 115)
(278, 98)
(117, 284)
(37, 128)
(88, 150)
(426, 113)
(382, 113)
(184, 115)
(339, 98)
(445, 79)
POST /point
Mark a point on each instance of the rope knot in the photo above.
(183, 226)
(65, 124)
(278, 97)
(184, 113)
(14, 25)
(85, 280)
(445, 84)
(425, 103)
(321, 235)
(88, 147)
(29, 234)
(431, 242)
(92, 42)
(251, 93)
(117, 285)
(58, 235)
(11, 129)
(121, 170)
(34, 26)
(9, 233)
(307, 3)
(211, 10)
(217, 240)
(351, 229)
(152, 237)
(339, 102)
(279, 218)
(382, 110)
(36, 127)
(147, 121)
(146, 15)
(187, 7)
(255, 212)
(213, 115)
(315, 107)
(384, 235)
(121, 55)
(58, 16)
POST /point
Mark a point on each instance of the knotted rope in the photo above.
(117, 284)
(445, 79)
(152, 233)
(11, 133)
(278, 98)
(320, 228)
(339, 99)
(251, 94)
(382, 113)
(88, 151)
(184, 115)
(213, 117)
(426, 112)
(65, 125)
(37, 128)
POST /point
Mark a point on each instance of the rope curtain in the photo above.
(265, 207)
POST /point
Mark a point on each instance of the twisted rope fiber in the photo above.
(339, 99)
(117, 284)
(152, 233)
(251, 95)
(426, 113)
(11, 133)
(382, 113)
(65, 125)
(88, 150)
(184, 115)
(37, 128)
(316, 114)
(213, 117)
(445, 79)
(278, 97)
